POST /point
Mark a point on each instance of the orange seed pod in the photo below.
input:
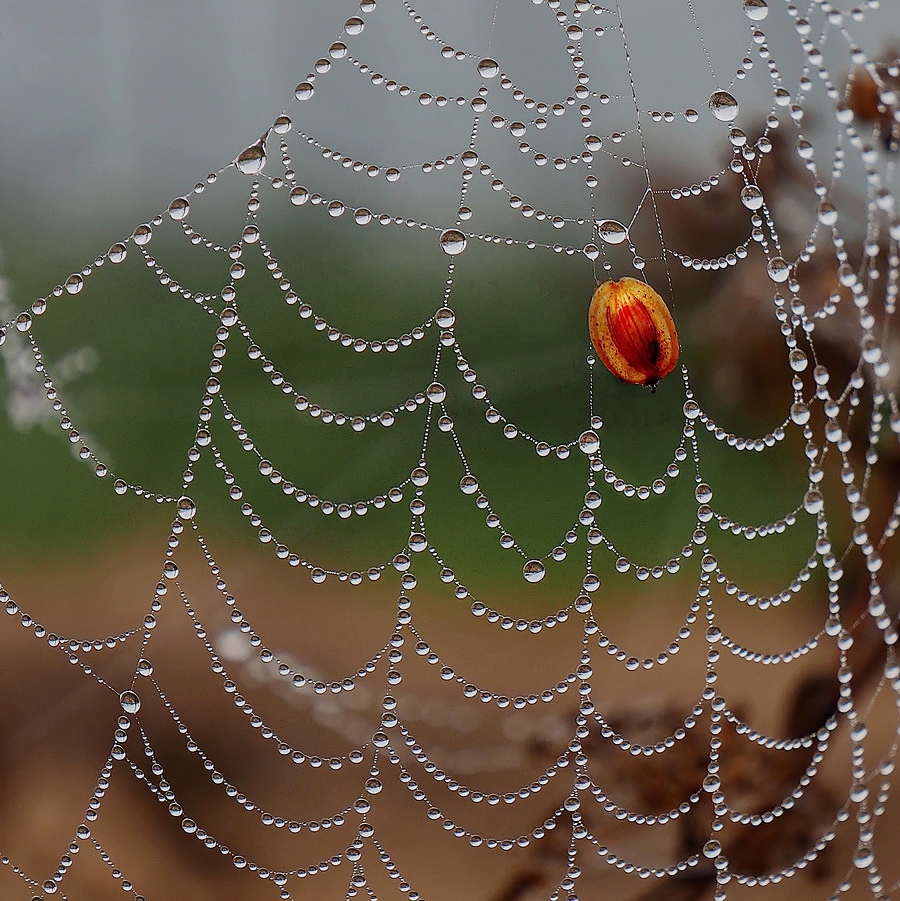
(633, 332)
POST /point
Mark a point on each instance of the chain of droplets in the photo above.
(282, 551)
(381, 740)
(344, 509)
(251, 234)
(72, 645)
(319, 687)
(100, 468)
(256, 722)
(336, 819)
(303, 405)
(163, 793)
(570, 806)
(298, 679)
(754, 877)
(52, 884)
(581, 833)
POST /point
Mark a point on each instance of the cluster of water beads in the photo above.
(723, 106)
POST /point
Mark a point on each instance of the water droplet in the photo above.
(779, 269)
(373, 786)
(752, 197)
(282, 125)
(336, 208)
(74, 283)
(392, 174)
(130, 701)
(797, 360)
(723, 106)
(813, 502)
(799, 413)
(863, 857)
(299, 195)
(252, 160)
(354, 25)
(304, 90)
(187, 509)
(703, 493)
(533, 571)
(611, 231)
(142, 234)
(179, 208)
(827, 213)
(712, 783)
(756, 10)
(436, 392)
(589, 442)
(488, 68)
(453, 241)
(691, 115)
(712, 848)
(468, 484)
(117, 253)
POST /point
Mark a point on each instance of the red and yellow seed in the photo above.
(633, 331)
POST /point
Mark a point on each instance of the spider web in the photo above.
(675, 676)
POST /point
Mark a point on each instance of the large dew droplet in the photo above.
(756, 10)
(130, 701)
(117, 253)
(74, 283)
(827, 214)
(797, 360)
(187, 509)
(723, 106)
(589, 442)
(252, 160)
(611, 231)
(488, 68)
(453, 241)
(179, 208)
(779, 269)
(752, 197)
(533, 571)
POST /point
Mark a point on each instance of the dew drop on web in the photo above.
(779, 269)
(488, 68)
(252, 160)
(453, 241)
(533, 571)
(751, 197)
(611, 231)
(723, 106)
(179, 208)
(130, 701)
(756, 10)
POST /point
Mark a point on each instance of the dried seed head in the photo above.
(633, 331)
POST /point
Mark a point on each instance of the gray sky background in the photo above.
(109, 108)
